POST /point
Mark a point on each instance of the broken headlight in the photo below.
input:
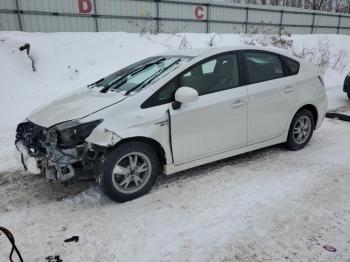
(73, 133)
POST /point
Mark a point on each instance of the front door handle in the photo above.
(289, 89)
(238, 103)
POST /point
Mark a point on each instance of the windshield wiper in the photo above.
(131, 73)
(150, 79)
(106, 88)
(146, 66)
(95, 83)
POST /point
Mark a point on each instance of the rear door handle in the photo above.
(238, 103)
(289, 89)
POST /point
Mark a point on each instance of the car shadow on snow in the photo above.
(207, 169)
(19, 189)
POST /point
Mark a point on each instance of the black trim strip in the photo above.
(338, 116)
(170, 137)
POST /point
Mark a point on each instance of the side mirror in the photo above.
(186, 94)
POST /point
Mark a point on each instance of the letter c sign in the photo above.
(85, 6)
(199, 12)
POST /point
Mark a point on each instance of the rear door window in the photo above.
(292, 65)
(262, 66)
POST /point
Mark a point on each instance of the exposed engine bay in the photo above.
(59, 152)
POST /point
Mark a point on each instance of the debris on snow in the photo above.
(72, 239)
(330, 248)
(26, 47)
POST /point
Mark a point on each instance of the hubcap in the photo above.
(302, 129)
(131, 172)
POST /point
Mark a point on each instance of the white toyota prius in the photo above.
(172, 112)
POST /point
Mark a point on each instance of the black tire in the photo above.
(108, 181)
(348, 95)
(292, 142)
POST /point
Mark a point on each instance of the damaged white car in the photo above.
(172, 112)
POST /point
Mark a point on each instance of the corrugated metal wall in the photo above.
(168, 16)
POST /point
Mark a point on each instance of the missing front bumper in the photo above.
(64, 165)
(41, 154)
(62, 170)
(29, 163)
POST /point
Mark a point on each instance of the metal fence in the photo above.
(166, 16)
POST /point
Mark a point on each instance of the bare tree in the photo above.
(275, 2)
(316, 4)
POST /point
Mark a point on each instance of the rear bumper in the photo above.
(322, 110)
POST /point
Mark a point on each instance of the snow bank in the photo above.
(66, 61)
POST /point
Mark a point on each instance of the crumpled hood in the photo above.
(73, 106)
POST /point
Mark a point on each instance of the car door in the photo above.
(272, 95)
(217, 121)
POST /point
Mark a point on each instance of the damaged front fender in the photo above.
(103, 137)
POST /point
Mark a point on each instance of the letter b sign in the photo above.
(85, 6)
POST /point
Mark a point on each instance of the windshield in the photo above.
(139, 74)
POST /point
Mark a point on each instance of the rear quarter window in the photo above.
(291, 65)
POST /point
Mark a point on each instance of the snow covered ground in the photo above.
(268, 205)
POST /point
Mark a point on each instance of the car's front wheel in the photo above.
(129, 171)
(301, 130)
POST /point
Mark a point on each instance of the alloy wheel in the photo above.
(302, 129)
(131, 172)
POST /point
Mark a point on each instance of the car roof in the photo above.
(217, 50)
(187, 52)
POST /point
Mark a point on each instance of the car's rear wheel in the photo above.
(301, 130)
(129, 171)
